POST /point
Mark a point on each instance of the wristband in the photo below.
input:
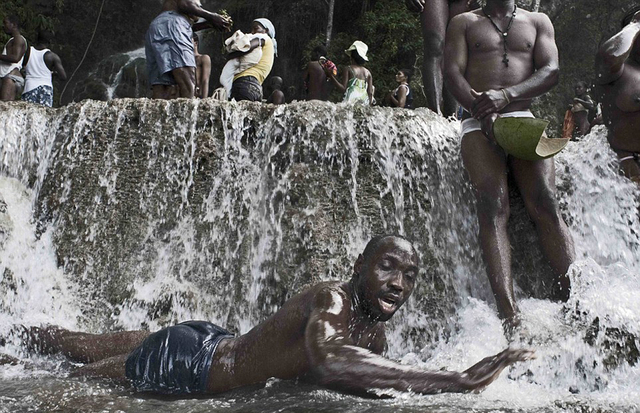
(506, 97)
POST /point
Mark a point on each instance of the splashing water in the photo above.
(139, 214)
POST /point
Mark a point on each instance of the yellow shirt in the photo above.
(263, 68)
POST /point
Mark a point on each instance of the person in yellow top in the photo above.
(247, 85)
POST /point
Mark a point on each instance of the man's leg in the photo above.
(537, 183)
(486, 165)
(111, 368)
(8, 90)
(81, 347)
(434, 20)
(186, 79)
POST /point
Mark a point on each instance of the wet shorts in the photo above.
(472, 124)
(42, 95)
(246, 88)
(168, 46)
(18, 80)
(175, 360)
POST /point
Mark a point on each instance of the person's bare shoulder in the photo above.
(328, 294)
(541, 20)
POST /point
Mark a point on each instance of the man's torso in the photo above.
(485, 67)
(621, 109)
(274, 348)
(316, 85)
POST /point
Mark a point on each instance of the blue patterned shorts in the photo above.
(42, 95)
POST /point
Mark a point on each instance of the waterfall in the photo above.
(138, 213)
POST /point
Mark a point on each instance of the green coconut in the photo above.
(525, 138)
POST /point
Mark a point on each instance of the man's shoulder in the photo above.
(326, 293)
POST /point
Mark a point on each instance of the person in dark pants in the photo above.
(331, 334)
(171, 61)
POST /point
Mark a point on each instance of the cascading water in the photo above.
(138, 214)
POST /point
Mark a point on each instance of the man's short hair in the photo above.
(44, 36)
(629, 15)
(375, 242)
(318, 51)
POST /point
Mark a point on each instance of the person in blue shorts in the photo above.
(171, 62)
(331, 334)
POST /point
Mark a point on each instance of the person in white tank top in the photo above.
(39, 68)
(11, 60)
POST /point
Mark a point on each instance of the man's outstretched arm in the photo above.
(545, 77)
(615, 51)
(340, 364)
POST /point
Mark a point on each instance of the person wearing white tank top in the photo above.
(39, 68)
(11, 60)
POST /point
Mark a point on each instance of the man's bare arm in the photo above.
(194, 8)
(54, 64)
(545, 59)
(16, 51)
(455, 62)
(340, 364)
(615, 51)
(206, 74)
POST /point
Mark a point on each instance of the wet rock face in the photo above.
(6, 225)
(189, 208)
(168, 210)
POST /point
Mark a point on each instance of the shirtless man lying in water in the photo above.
(332, 334)
(618, 74)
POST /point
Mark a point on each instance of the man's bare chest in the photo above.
(483, 37)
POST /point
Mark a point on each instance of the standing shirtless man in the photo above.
(332, 334)
(497, 59)
(618, 74)
(169, 46)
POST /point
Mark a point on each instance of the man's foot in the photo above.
(511, 327)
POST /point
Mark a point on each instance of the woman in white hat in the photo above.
(357, 82)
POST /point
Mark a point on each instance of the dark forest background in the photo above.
(390, 30)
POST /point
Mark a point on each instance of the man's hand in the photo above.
(415, 5)
(488, 102)
(487, 370)
(487, 125)
(222, 23)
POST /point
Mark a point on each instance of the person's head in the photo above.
(629, 15)
(403, 75)
(580, 88)
(44, 36)
(385, 275)
(11, 23)
(318, 52)
(196, 41)
(263, 25)
(358, 52)
(276, 83)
